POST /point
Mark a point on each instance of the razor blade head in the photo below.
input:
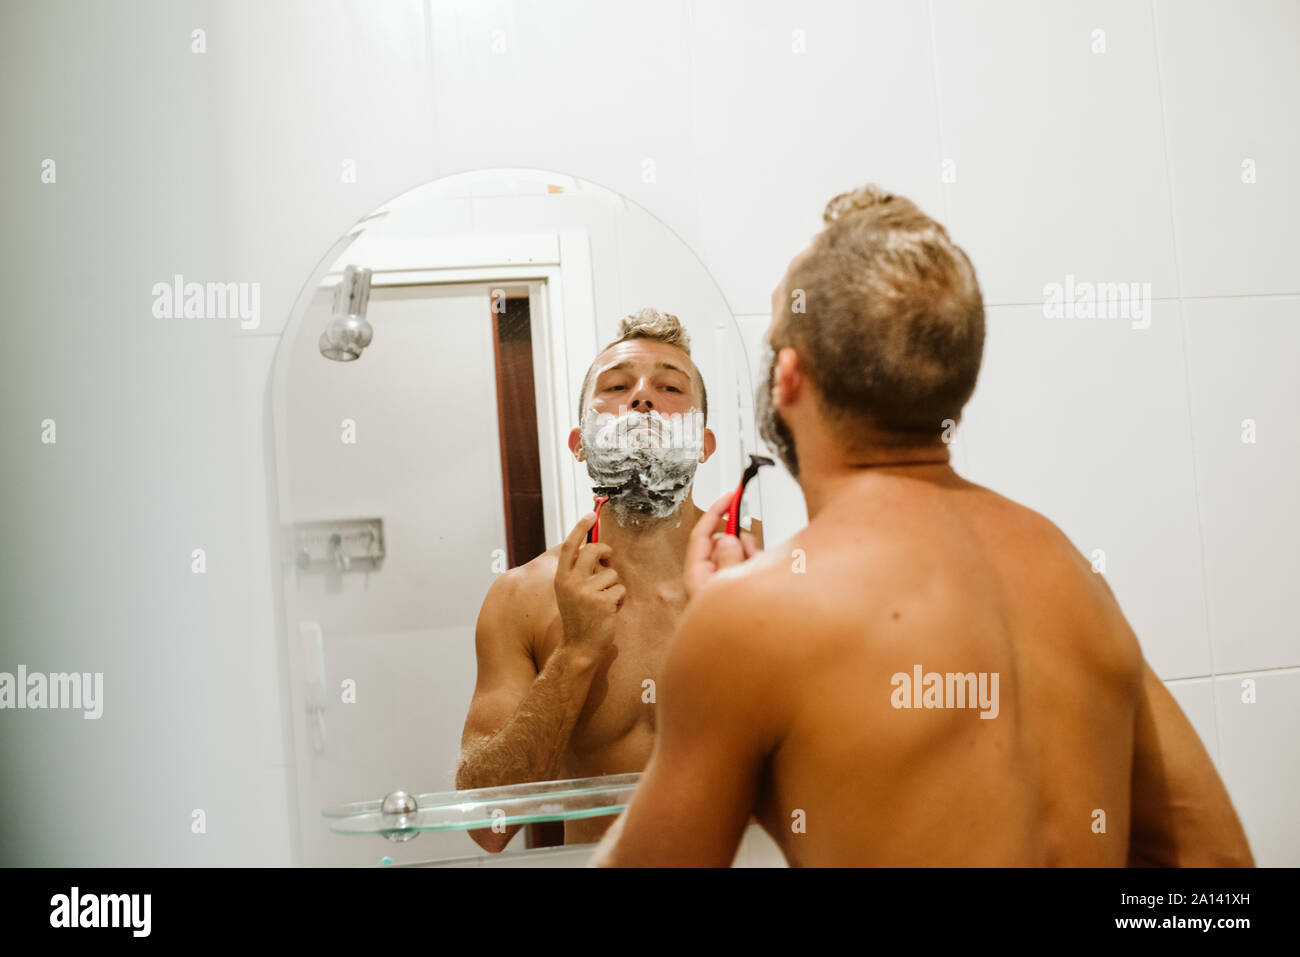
(756, 462)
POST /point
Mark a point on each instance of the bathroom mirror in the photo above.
(423, 395)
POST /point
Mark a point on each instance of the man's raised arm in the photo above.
(520, 720)
(717, 726)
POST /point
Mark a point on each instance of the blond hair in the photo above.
(649, 323)
(892, 329)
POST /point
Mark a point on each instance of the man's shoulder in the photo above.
(530, 582)
(1020, 517)
(734, 625)
(755, 597)
(1074, 584)
(1043, 542)
(539, 569)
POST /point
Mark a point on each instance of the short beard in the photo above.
(772, 429)
(649, 481)
(639, 517)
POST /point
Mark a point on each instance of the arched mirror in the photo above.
(424, 396)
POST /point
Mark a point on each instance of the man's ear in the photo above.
(710, 445)
(789, 378)
(575, 443)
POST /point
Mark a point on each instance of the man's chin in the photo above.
(640, 511)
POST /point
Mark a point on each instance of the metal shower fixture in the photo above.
(348, 332)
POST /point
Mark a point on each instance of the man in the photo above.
(566, 642)
(928, 673)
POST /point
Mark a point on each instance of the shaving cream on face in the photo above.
(650, 458)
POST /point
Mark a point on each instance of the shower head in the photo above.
(348, 332)
(345, 337)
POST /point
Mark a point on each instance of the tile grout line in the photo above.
(1179, 299)
(1187, 381)
(1279, 669)
(991, 304)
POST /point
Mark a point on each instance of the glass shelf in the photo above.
(527, 803)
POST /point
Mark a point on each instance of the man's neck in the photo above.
(825, 481)
(650, 551)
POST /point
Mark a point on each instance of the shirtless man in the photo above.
(565, 641)
(789, 688)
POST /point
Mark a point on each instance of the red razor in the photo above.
(593, 533)
(733, 510)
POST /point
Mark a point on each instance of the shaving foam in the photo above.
(649, 458)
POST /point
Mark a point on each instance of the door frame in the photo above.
(564, 337)
(557, 267)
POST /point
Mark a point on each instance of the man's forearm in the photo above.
(531, 745)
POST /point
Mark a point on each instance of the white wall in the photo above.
(1115, 166)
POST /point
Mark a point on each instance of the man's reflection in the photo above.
(569, 644)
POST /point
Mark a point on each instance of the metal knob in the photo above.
(398, 809)
(399, 802)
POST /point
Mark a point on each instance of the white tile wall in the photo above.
(303, 87)
(792, 103)
(592, 89)
(267, 659)
(1115, 166)
(1196, 697)
(1259, 765)
(1086, 421)
(1242, 366)
(1060, 165)
(1231, 82)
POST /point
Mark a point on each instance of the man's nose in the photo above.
(641, 398)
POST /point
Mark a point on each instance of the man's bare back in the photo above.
(780, 695)
(952, 578)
